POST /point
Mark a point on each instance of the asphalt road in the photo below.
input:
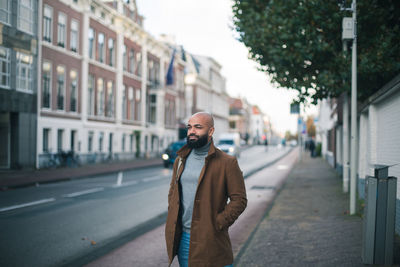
(69, 223)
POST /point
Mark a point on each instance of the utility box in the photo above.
(379, 217)
(347, 28)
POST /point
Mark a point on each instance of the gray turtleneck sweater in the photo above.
(189, 179)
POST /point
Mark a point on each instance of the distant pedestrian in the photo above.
(312, 147)
(203, 180)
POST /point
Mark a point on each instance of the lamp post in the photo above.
(353, 144)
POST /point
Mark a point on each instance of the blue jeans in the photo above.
(183, 252)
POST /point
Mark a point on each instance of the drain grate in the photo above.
(260, 187)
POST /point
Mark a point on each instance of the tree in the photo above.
(298, 43)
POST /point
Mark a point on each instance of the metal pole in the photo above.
(353, 159)
(299, 135)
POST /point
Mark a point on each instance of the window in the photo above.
(60, 87)
(5, 11)
(123, 142)
(91, 35)
(46, 85)
(111, 52)
(124, 103)
(74, 35)
(131, 142)
(132, 61)
(4, 67)
(124, 58)
(47, 23)
(101, 138)
(60, 138)
(131, 104)
(90, 141)
(152, 109)
(73, 75)
(100, 47)
(25, 15)
(139, 63)
(110, 99)
(138, 105)
(46, 135)
(24, 72)
(100, 97)
(91, 80)
(61, 29)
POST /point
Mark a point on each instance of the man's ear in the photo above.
(211, 131)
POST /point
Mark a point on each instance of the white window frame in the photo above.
(74, 42)
(91, 94)
(62, 89)
(26, 18)
(61, 30)
(111, 52)
(26, 67)
(132, 104)
(90, 141)
(100, 97)
(76, 90)
(124, 102)
(110, 99)
(101, 48)
(124, 58)
(43, 85)
(46, 140)
(132, 61)
(92, 40)
(7, 61)
(50, 33)
(6, 11)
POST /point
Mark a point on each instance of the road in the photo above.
(75, 222)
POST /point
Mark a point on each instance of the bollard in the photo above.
(379, 217)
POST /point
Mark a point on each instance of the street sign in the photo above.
(347, 28)
(295, 108)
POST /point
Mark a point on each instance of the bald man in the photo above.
(199, 215)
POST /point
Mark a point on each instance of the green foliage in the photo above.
(298, 42)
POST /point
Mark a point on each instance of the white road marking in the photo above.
(282, 167)
(150, 179)
(119, 178)
(125, 184)
(27, 204)
(85, 192)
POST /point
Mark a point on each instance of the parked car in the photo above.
(169, 154)
(230, 143)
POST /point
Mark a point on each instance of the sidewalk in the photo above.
(16, 178)
(308, 223)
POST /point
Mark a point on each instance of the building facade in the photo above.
(103, 94)
(206, 91)
(378, 142)
(18, 83)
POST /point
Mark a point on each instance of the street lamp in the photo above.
(353, 145)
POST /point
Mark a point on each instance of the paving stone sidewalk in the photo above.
(308, 224)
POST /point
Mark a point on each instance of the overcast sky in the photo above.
(204, 27)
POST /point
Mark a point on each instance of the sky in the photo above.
(204, 27)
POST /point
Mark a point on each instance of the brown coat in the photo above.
(220, 179)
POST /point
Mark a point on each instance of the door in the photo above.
(4, 140)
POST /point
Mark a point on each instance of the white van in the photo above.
(230, 143)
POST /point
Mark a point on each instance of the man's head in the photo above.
(200, 129)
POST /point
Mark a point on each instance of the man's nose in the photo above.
(191, 130)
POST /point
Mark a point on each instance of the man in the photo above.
(203, 179)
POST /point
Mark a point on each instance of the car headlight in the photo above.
(165, 156)
(231, 149)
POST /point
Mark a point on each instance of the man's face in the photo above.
(199, 132)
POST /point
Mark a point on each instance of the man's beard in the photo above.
(201, 141)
